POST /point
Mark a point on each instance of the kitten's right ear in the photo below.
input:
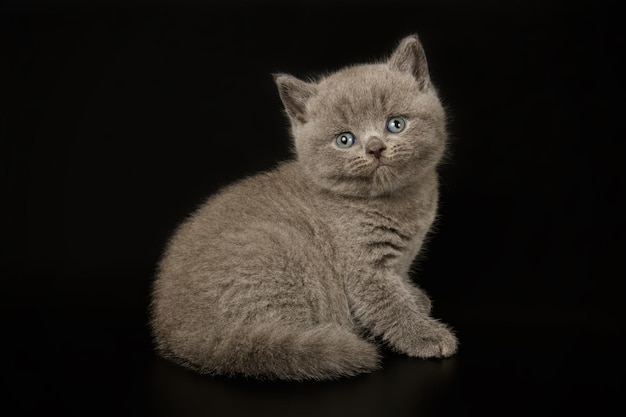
(409, 57)
(294, 94)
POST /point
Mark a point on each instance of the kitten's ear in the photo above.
(409, 57)
(294, 94)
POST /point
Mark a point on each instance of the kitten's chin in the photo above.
(385, 180)
(381, 181)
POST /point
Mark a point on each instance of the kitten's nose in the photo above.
(375, 147)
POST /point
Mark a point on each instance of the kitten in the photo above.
(297, 272)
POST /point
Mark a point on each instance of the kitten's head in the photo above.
(367, 130)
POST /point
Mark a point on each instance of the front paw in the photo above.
(429, 339)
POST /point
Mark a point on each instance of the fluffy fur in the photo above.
(298, 272)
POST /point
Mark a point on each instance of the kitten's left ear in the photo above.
(294, 94)
(409, 57)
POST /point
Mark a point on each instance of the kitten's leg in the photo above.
(421, 298)
(268, 312)
(383, 304)
(402, 267)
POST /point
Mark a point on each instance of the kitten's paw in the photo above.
(432, 341)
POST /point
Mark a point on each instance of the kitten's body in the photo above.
(290, 273)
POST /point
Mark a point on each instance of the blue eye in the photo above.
(344, 140)
(396, 124)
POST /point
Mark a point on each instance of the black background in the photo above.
(119, 118)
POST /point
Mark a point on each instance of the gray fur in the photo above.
(296, 272)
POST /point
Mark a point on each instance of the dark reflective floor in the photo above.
(104, 367)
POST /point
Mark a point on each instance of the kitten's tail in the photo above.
(273, 351)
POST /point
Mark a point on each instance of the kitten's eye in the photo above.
(396, 124)
(344, 140)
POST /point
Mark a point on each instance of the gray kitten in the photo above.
(296, 272)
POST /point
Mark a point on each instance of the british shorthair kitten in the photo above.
(298, 273)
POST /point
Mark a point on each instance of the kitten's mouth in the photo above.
(382, 168)
(380, 163)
